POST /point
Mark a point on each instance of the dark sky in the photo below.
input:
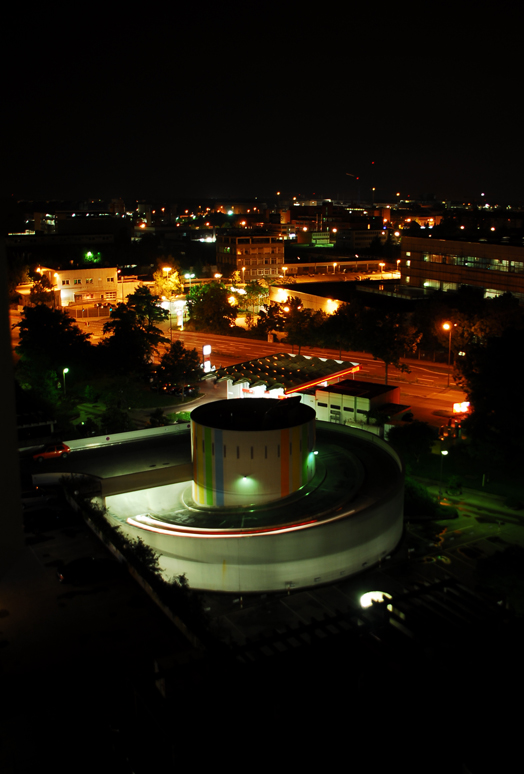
(157, 102)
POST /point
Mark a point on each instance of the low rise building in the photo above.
(87, 285)
(321, 384)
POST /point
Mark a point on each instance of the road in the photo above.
(424, 388)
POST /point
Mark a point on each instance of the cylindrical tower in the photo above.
(249, 452)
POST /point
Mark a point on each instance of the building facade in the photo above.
(442, 264)
(86, 285)
(253, 255)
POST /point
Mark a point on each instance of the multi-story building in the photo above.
(442, 264)
(254, 255)
(86, 285)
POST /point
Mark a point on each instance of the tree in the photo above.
(412, 441)
(134, 332)
(146, 306)
(270, 318)
(389, 337)
(49, 342)
(343, 329)
(42, 292)
(180, 366)
(17, 273)
(210, 309)
(168, 284)
(255, 293)
(302, 325)
(490, 375)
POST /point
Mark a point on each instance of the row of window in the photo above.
(475, 262)
(248, 240)
(334, 407)
(260, 261)
(252, 450)
(260, 250)
(88, 281)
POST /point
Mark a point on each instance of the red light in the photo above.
(352, 370)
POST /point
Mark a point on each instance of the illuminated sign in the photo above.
(461, 408)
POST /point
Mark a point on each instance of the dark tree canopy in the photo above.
(210, 309)
(134, 332)
(270, 318)
(492, 378)
(49, 342)
(389, 337)
(180, 366)
(303, 326)
(412, 441)
(343, 328)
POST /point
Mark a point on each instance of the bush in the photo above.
(418, 502)
(514, 503)
(455, 485)
(157, 418)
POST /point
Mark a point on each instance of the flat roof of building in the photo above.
(253, 415)
(358, 389)
(291, 372)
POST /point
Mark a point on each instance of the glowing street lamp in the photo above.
(189, 277)
(381, 267)
(334, 268)
(443, 453)
(447, 327)
(243, 273)
(64, 372)
(284, 269)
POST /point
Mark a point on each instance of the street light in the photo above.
(447, 327)
(64, 372)
(381, 266)
(243, 275)
(166, 270)
(334, 268)
(189, 277)
(443, 453)
(284, 269)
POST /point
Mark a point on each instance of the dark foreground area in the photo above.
(94, 677)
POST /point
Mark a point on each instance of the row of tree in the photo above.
(51, 341)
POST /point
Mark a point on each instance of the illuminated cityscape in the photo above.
(263, 422)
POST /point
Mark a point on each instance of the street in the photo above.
(424, 389)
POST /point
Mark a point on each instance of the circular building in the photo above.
(277, 501)
(250, 452)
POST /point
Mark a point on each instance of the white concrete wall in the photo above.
(323, 553)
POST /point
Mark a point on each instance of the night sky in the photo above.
(246, 100)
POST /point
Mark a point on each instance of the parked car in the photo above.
(52, 451)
